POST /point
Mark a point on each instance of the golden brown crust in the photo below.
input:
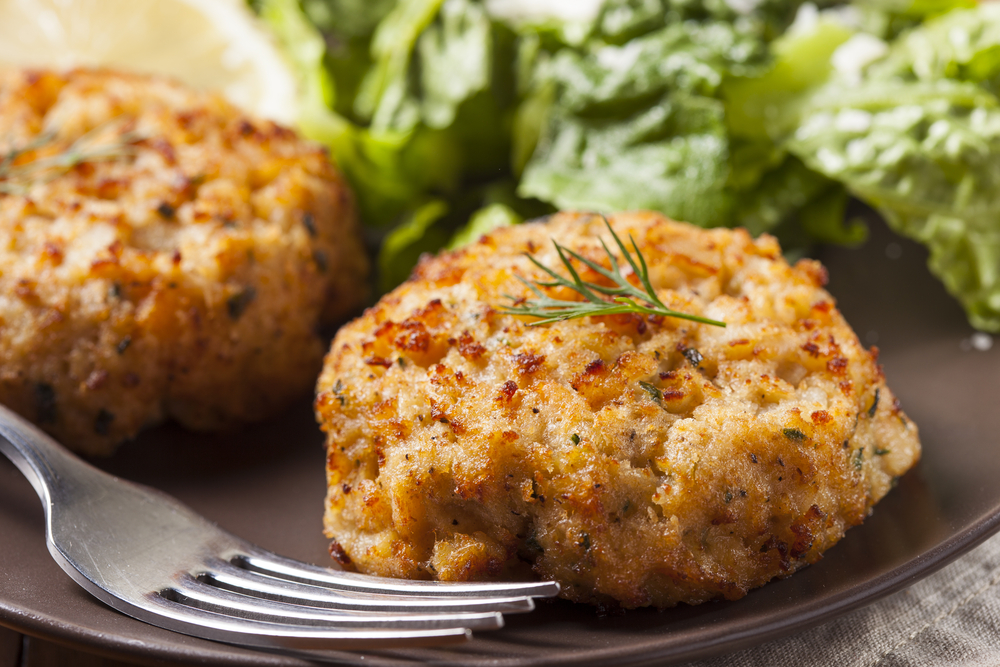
(184, 278)
(637, 459)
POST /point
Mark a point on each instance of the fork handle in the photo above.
(49, 466)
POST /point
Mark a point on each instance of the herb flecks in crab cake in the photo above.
(642, 459)
(163, 255)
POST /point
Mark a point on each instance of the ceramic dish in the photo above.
(267, 485)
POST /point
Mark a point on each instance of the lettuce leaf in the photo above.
(376, 164)
(669, 157)
(919, 139)
(456, 60)
(778, 193)
(385, 99)
(418, 127)
(961, 46)
(347, 18)
(650, 114)
(888, 19)
(763, 108)
(636, 126)
(484, 221)
(402, 248)
(707, 111)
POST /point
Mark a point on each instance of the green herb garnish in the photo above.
(625, 297)
(653, 391)
(18, 178)
(793, 434)
(874, 407)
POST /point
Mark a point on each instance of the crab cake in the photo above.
(163, 256)
(637, 459)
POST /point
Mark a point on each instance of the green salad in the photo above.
(453, 117)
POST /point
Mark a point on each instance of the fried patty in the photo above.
(162, 255)
(637, 460)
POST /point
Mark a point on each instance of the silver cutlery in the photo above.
(148, 556)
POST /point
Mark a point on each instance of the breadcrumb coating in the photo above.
(636, 460)
(184, 274)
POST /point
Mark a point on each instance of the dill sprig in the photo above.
(624, 296)
(18, 178)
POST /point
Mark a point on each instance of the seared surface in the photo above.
(642, 460)
(184, 275)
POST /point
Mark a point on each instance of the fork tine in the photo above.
(224, 575)
(291, 570)
(194, 593)
(188, 620)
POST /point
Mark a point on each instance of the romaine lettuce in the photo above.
(637, 117)
(484, 221)
(711, 111)
(420, 126)
(919, 139)
(417, 234)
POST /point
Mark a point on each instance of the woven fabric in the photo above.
(951, 618)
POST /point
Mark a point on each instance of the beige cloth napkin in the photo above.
(951, 618)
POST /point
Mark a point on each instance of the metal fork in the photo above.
(148, 556)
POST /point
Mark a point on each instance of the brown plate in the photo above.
(267, 485)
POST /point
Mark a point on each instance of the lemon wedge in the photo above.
(207, 44)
